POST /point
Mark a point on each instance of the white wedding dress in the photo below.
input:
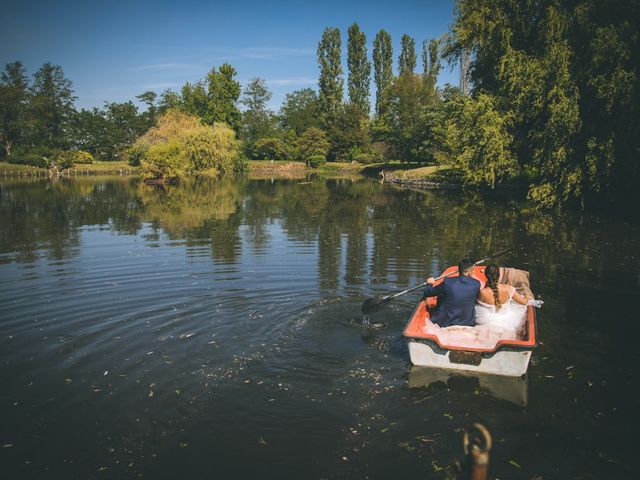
(508, 321)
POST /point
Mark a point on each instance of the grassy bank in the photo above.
(103, 168)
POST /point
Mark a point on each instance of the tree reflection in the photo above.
(364, 232)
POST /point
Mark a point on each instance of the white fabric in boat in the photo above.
(491, 326)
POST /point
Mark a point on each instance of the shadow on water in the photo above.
(217, 327)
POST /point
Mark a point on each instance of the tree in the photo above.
(359, 69)
(90, 132)
(257, 120)
(181, 145)
(430, 62)
(407, 59)
(149, 99)
(349, 134)
(269, 148)
(477, 141)
(194, 100)
(169, 100)
(124, 126)
(313, 143)
(408, 97)
(568, 80)
(14, 98)
(223, 91)
(300, 110)
(330, 82)
(383, 69)
(52, 105)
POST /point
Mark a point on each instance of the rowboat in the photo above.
(507, 357)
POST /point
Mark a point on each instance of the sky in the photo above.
(113, 50)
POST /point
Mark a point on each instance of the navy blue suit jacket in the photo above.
(456, 301)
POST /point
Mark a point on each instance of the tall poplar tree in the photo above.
(330, 82)
(359, 69)
(382, 68)
(407, 59)
(430, 61)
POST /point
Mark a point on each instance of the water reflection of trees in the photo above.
(364, 232)
(44, 218)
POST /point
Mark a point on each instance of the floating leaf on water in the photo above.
(106, 372)
(67, 381)
(102, 469)
(515, 464)
(384, 429)
(448, 415)
(7, 445)
(151, 393)
(183, 444)
(262, 441)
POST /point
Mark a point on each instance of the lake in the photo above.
(213, 330)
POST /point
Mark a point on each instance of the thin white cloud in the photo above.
(288, 82)
(160, 66)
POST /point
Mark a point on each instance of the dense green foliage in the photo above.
(330, 82)
(181, 145)
(300, 110)
(359, 69)
(313, 143)
(407, 59)
(567, 77)
(383, 68)
(554, 106)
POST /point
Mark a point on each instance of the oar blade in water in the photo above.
(372, 303)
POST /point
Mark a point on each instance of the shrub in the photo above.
(368, 157)
(269, 148)
(83, 157)
(77, 157)
(134, 155)
(316, 161)
(62, 160)
(240, 164)
(35, 158)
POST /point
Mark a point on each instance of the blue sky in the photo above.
(113, 50)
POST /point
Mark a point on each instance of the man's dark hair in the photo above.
(465, 265)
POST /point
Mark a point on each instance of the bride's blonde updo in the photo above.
(492, 272)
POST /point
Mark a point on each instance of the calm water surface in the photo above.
(213, 330)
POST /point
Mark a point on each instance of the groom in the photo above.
(456, 297)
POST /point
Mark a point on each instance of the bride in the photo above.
(500, 308)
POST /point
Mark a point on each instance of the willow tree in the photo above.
(330, 82)
(568, 79)
(407, 59)
(359, 69)
(382, 68)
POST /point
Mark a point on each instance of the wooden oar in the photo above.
(372, 303)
